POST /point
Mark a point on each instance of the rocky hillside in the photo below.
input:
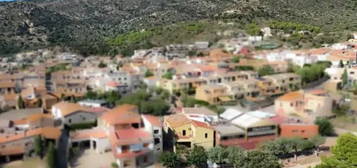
(85, 24)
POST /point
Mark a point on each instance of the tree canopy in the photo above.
(344, 153)
(197, 157)
(170, 159)
(266, 70)
(325, 127)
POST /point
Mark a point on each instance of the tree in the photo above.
(325, 127)
(259, 159)
(344, 78)
(102, 65)
(91, 95)
(170, 159)
(341, 65)
(317, 140)
(279, 147)
(51, 156)
(197, 157)
(235, 156)
(112, 97)
(39, 103)
(266, 70)
(115, 165)
(218, 155)
(344, 153)
(38, 146)
(20, 103)
(168, 75)
(252, 29)
(235, 59)
(148, 73)
(156, 107)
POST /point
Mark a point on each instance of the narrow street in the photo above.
(62, 150)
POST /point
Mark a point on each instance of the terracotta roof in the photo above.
(318, 92)
(67, 108)
(89, 133)
(32, 118)
(130, 136)
(153, 120)
(122, 114)
(291, 96)
(13, 150)
(177, 120)
(46, 132)
(113, 84)
(10, 96)
(201, 124)
(7, 84)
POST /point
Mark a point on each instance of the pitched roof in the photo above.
(46, 132)
(177, 120)
(291, 96)
(33, 118)
(67, 108)
(7, 84)
(122, 114)
(130, 136)
(201, 124)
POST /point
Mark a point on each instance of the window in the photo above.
(126, 163)
(125, 148)
(146, 145)
(183, 132)
(69, 120)
(157, 141)
(206, 135)
(156, 131)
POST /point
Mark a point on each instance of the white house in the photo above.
(72, 113)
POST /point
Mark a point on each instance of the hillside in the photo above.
(84, 25)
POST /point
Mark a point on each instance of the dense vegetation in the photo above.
(229, 157)
(344, 153)
(93, 26)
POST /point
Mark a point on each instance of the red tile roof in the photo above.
(130, 136)
(89, 133)
(122, 114)
(201, 124)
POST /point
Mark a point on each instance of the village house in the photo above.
(284, 82)
(154, 125)
(7, 87)
(131, 144)
(17, 145)
(180, 130)
(213, 94)
(308, 105)
(71, 114)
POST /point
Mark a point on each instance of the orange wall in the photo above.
(299, 130)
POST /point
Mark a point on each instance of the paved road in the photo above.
(62, 150)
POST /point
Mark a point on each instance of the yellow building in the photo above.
(187, 132)
(284, 82)
(213, 94)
